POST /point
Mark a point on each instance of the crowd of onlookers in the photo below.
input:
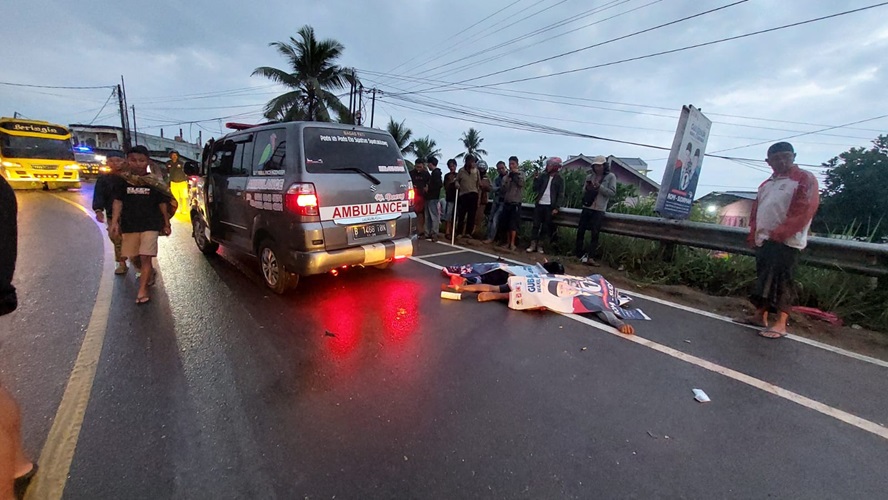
(473, 196)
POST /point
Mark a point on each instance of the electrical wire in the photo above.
(671, 51)
(11, 84)
(113, 93)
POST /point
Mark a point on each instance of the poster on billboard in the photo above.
(683, 166)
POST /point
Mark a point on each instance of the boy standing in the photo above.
(141, 214)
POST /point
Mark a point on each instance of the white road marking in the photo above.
(442, 254)
(768, 387)
(804, 340)
(58, 451)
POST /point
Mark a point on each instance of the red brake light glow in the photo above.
(302, 199)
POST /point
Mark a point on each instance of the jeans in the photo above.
(590, 220)
(466, 208)
(432, 217)
(493, 221)
(542, 223)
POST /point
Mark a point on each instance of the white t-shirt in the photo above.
(546, 199)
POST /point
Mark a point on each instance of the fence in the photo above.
(869, 259)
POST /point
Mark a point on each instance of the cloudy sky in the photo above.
(188, 64)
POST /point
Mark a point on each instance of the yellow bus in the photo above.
(36, 154)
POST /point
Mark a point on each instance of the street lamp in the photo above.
(711, 209)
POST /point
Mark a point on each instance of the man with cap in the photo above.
(548, 190)
(420, 177)
(103, 196)
(778, 230)
(484, 188)
(433, 200)
(175, 174)
(598, 189)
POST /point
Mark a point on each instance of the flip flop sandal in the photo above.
(771, 334)
(143, 300)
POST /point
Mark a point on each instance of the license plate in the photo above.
(370, 230)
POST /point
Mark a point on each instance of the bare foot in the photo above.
(627, 330)
(486, 296)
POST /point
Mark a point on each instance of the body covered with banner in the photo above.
(568, 294)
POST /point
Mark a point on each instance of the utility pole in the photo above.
(360, 104)
(15, 114)
(124, 126)
(135, 130)
(373, 108)
(351, 101)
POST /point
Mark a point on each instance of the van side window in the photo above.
(243, 152)
(222, 159)
(269, 151)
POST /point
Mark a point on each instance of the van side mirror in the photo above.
(191, 168)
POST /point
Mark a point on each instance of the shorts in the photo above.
(775, 265)
(510, 218)
(144, 243)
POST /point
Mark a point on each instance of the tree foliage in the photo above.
(472, 140)
(311, 77)
(854, 195)
(402, 134)
(423, 147)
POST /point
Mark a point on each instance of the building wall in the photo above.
(624, 177)
(109, 138)
(735, 214)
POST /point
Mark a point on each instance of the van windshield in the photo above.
(329, 150)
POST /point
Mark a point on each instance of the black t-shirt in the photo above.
(450, 187)
(141, 208)
(421, 180)
(176, 171)
(103, 194)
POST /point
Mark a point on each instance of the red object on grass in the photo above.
(815, 313)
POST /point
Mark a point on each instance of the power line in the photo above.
(451, 37)
(672, 51)
(581, 49)
(55, 86)
(113, 92)
(540, 31)
(534, 14)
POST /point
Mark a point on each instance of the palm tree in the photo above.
(312, 76)
(425, 147)
(472, 142)
(401, 134)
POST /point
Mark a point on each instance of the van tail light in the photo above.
(302, 199)
(411, 194)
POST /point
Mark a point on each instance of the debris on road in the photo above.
(651, 435)
(583, 348)
(687, 341)
(701, 396)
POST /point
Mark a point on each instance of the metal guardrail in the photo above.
(870, 259)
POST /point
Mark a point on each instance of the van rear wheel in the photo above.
(275, 275)
(385, 265)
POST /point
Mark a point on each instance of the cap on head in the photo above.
(482, 165)
(142, 150)
(780, 147)
(599, 160)
(114, 154)
(173, 152)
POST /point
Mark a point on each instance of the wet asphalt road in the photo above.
(368, 385)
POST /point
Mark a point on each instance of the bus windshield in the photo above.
(14, 146)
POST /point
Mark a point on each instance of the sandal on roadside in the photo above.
(771, 334)
(21, 483)
(143, 300)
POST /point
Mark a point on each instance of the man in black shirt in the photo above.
(449, 196)
(421, 177)
(433, 200)
(141, 213)
(103, 198)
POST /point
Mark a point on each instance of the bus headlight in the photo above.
(72, 166)
(10, 164)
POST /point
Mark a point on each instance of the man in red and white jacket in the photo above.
(778, 230)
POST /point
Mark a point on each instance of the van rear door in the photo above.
(362, 185)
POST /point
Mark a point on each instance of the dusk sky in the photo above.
(820, 85)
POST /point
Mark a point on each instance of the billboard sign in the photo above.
(683, 166)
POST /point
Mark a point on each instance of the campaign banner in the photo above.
(683, 167)
(569, 295)
(493, 273)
